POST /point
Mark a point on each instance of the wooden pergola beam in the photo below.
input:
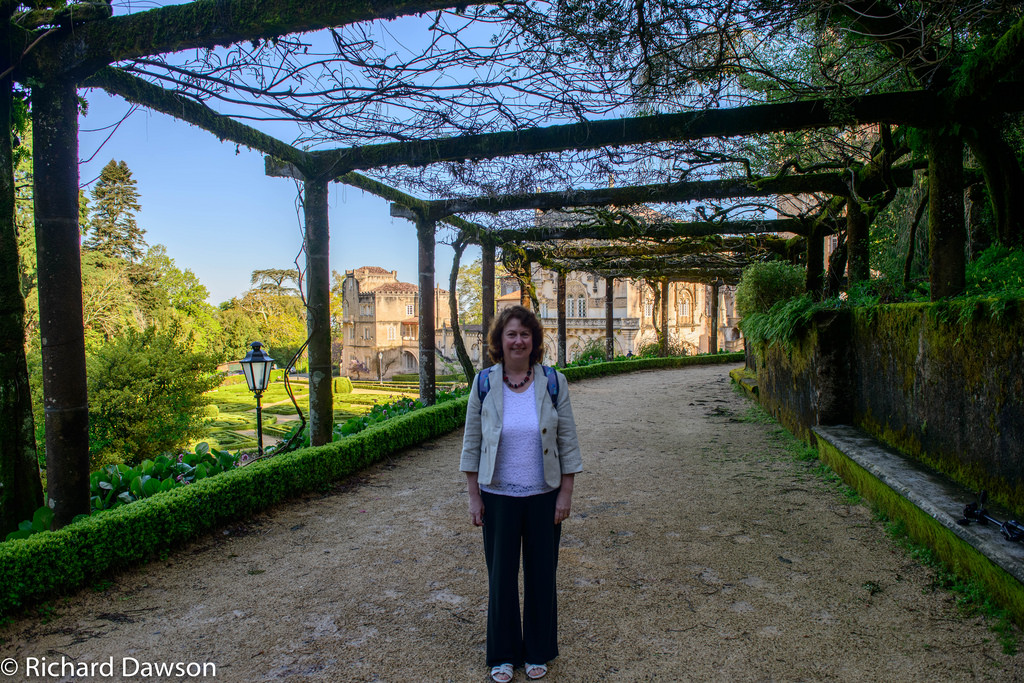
(744, 245)
(919, 108)
(728, 188)
(142, 92)
(201, 24)
(656, 230)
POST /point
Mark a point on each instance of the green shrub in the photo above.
(146, 395)
(342, 385)
(762, 285)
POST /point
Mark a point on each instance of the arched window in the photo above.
(570, 305)
(582, 308)
(685, 308)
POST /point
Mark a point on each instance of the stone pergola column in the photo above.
(486, 299)
(609, 322)
(425, 236)
(947, 233)
(857, 242)
(58, 257)
(713, 321)
(560, 305)
(318, 312)
(664, 317)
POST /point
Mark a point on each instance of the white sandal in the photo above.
(505, 670)
(533, 667)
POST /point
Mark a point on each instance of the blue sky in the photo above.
(220, 216)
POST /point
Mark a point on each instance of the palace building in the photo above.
(380, 320)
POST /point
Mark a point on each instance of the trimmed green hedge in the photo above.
(634, 364)
(49, 563)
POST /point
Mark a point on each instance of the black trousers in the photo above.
(512, 525)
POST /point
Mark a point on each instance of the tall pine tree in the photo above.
(114, 230)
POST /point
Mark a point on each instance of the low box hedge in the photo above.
(634, 364)
(49, 563)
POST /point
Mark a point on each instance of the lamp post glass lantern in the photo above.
(256, 366)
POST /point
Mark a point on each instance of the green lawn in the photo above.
(236, 411)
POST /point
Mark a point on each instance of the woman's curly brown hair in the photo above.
(527, 318)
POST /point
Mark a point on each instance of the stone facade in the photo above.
(689, 313)
(380, 322)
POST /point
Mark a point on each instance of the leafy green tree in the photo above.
(239, 328)
(113, 229)
(273, 281)
(146, 396)
(109, 304)
(470, 290)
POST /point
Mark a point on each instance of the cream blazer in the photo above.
(557, 429)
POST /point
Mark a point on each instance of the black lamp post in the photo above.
(256, 366)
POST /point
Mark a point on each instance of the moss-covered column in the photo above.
(663, 314)
(65, 399)
(425, 236)
(713, 318)
(20, 489)
(560, 305)
(318, 312)
(815, 279)
(947, 234)
(609, 318)
(857, 241)
(486, 299)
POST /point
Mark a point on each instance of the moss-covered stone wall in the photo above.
(946, 392)
(806, 384)
(919, 378)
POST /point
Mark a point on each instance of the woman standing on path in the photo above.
(520, 456)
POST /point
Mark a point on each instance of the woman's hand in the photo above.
(563, 503)
(476, 501)
(476, 509)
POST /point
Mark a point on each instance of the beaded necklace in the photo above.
(526, 379)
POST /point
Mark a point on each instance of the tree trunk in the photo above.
(486, 301)
(20, 489)
(561, 319)
(425, 235)
(453, 307)
(713, 321)
(609, 315)
(947, 234)
(524, 283)
(65, 396)
(857, 242)
(815, 263)
(318, 312)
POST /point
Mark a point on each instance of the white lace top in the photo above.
(519, 464)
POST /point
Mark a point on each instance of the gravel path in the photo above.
(697, 550)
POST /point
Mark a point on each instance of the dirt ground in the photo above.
(697, 550)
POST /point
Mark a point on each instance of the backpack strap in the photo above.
(552, 376)
(483, 385)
